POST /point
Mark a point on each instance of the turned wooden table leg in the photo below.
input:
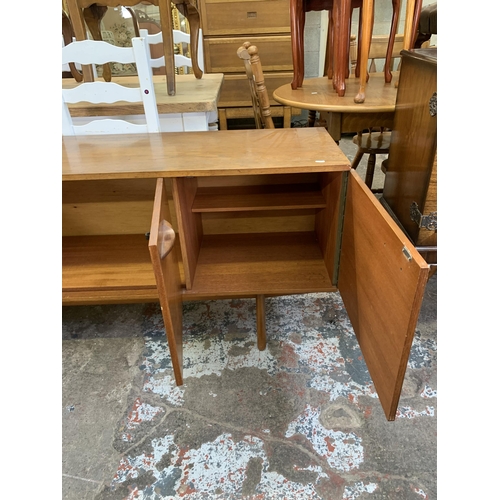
(370, 170)
(297, 23)
(261, 322)
(365, 48)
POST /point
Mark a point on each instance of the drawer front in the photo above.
(222, 17)
(235, 91)
(275, 53)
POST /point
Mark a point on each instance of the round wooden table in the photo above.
(343, 114)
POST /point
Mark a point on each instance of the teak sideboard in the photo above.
(241, 213)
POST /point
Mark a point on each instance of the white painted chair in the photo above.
(177, 122)
(98, 52)
(66, 67)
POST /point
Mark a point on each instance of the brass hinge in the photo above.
(433, 104)
(426, 221)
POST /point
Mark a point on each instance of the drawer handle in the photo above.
(166, 238)
(252, 14)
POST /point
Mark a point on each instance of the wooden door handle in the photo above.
(166, 238)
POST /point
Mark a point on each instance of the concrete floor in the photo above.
(300, 420)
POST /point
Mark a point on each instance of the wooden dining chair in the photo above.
(373, 143)
(181, 60)
(91, 12)
(88, 52)
(258, 91)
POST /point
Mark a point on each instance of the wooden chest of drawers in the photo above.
(274, 51)
(226, 26)
(222, 17)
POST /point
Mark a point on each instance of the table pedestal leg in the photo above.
(334, 125)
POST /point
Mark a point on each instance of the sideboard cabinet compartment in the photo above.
(246, 213)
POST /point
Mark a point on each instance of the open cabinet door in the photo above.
(382, 280)
(164, 256)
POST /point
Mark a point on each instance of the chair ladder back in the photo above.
(145, 75)
(179, 59)
(260, 99)
(245, 56)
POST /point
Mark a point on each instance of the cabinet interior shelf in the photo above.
(229, 265)
(107, 269)
(259, 197)
(260, 263)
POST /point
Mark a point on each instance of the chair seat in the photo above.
(371, 143)
(374, 143)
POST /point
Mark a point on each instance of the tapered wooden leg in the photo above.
(365, 48)
(357, 159)
(93, 16)
(168, 44)
(297, 23)
(222, 119)
(190, 12)
(370, 169)
(408, 29)
(76, 18)
(336, 48)
(343, 53)
(261, 322)
(413, 8)
(330, 51)
(287, 116)
(416, 21)
(67, 32)
(396, 6)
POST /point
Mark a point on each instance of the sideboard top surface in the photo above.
(183, 154)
